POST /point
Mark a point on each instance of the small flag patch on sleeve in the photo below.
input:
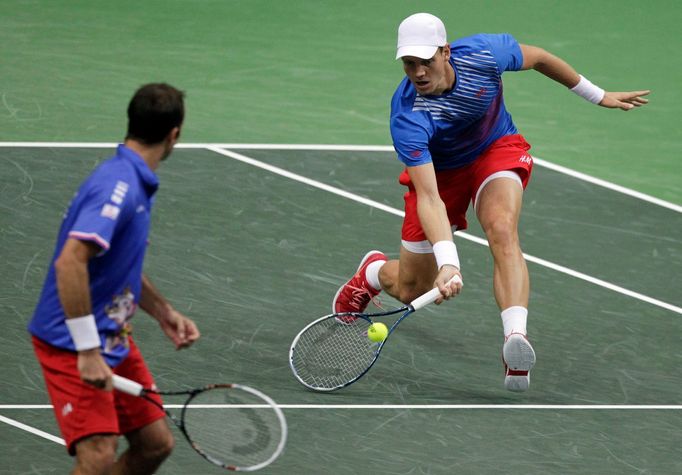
(110, 211)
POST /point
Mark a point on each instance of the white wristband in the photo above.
(84, 332)
(589, 91)
(446, 253)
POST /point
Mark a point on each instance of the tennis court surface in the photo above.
(253, 241)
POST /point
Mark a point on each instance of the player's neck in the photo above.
(449, 78)
(151, 154)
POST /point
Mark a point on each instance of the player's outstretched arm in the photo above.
(559, 70)
(181, 330)
(434, 220)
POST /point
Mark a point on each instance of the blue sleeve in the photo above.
(506, 51)
(411, 133)
(102, 208)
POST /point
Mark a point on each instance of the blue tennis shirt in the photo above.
(112, 209)
(453, 129)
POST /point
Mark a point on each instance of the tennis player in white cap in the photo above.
(459, 145)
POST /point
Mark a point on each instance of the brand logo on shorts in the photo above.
(526, 159)
(67, 409)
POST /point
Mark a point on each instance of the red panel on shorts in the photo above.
(458, 187)
(83, 410)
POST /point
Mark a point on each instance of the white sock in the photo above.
(514, 320)
(372, 274)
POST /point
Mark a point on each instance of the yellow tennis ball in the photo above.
(377, 332)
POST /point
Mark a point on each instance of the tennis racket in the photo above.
(230, 425)
(334, 351)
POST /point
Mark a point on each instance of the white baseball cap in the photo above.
(420, 35)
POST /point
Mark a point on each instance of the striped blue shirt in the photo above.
(453, 129)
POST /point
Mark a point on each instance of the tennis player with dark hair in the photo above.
(81, 329)
(458, 143)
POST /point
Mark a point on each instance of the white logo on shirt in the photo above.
(140, 209)
(67, 409)
(119, 192)
(526, 159)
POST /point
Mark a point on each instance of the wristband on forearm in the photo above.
(84, 332)
(588, 91)
(446, 254)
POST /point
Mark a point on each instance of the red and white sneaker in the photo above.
(356, 294)
(519, 357)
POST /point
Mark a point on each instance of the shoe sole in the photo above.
(517, 384)
(362, 263)
(519, 355)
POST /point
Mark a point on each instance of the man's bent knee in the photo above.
(96, 454)
(163, 447)
(416, 275)
(502, 232)
(409, 293)
(153, 443)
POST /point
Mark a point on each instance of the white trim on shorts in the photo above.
(501, 174)
(425, 247)
(421, 247)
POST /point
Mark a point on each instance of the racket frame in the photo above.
(135, 389)
(420, 302)
(405, 310)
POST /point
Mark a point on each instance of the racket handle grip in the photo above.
(431, 296)
(126, 385)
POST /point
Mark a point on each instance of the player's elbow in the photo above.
(534, 57)
(64, 263)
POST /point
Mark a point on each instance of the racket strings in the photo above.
(233, 427)
(333, 352)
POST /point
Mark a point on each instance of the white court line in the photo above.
(357, 148)
(402, 407)
(531, 407)
(607, 184)
(463, 235)
(32, 430)
(60, 144)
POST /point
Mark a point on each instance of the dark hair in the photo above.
(154, 111)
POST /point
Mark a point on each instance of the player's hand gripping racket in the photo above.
(335, 351)
(232, 426)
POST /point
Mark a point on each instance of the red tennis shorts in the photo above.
(83, 410)
(460, 186)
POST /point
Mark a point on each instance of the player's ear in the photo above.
(174, 134)
(446, 51)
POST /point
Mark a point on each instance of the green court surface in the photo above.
(253, 256)
(253, 241)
